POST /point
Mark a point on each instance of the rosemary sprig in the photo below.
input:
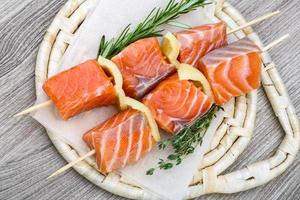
(185, 141)
(148, 28)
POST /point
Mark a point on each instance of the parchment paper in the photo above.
(109, 18)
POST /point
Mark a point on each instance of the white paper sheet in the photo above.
(109, 18)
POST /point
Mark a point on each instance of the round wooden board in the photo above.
(231, 138)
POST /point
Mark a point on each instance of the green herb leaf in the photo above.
(148, 28)
(150, 171)
(166, 166)
(162, 145)
(172, 157)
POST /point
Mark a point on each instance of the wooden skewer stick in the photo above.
(71, 164)
(92, 152)
(34, 108)
(275, 42)
(259, 19)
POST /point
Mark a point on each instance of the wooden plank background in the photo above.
(27, 156)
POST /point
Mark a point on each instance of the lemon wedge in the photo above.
(111, 67)
(188, 72)
(171, 48)
(135, 104)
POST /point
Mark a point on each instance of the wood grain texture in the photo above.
(27, 156)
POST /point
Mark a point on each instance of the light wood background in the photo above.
(27, 156)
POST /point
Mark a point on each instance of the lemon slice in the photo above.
(188, 72)
(125, 101)
(171, 48)
(135, 104)
(111, 67)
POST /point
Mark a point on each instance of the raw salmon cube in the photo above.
(80, 89)
(143, 66)
(121, 140)
(175, 103)
(198, 41)
(232, 70)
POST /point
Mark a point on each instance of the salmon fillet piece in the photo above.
(80, 89)
(198, 41)
(121, 140)
(143, 66)
(175, 103)
(232, 70)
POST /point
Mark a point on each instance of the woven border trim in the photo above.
(232, 136)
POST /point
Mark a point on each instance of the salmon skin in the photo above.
(121, 140)
(198, 41)
(80, 89)
(232, 70)
(143, 66)
(175, 103)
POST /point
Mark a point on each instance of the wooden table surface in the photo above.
(27, 156)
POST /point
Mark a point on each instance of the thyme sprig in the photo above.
(185, 141)
(148, 28)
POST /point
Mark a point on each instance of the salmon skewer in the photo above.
(175, 103)
(86, 86)
(141, 66)
(198, 41)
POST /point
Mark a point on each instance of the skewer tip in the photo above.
(34, 108)
(57, 172)
(276, 42)
(286, 36)
(24, 112)
(71, 164)
(49, 177)
(276, 12)
(18, 114)
(255, 21)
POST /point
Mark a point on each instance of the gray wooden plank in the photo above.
(27, 156)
